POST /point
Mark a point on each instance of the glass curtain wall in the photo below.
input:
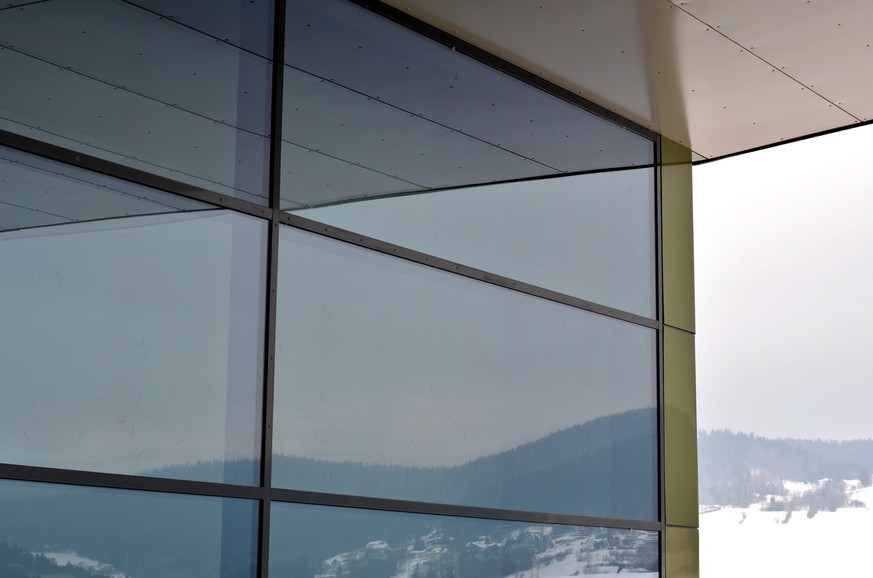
(426, 345)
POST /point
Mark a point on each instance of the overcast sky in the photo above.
(784, 284)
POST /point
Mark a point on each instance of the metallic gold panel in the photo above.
(680, 428)
(683, 560)
(678, 236)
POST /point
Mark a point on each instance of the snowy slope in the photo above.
(752, 543)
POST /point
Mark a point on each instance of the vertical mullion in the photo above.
(275, 164)
(659, 272)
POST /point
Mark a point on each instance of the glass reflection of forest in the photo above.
(603, 467)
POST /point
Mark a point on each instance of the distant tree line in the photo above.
(737, 469)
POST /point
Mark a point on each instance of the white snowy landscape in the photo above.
(559, 554)
(71, 558)
(754, 543)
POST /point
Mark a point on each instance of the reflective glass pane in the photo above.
(75, 532)
(590, 236)
(316, 541)
(398, 380)
(131, 343)
(37, 192)
(373, 108)
(169, 89)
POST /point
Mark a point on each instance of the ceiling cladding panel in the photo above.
(649, 61)
(805, 40)
(415, 109)
(733, 100)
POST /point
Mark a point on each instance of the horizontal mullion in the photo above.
(128, 482)
(387, 248)
(124, 172)
(437, 509)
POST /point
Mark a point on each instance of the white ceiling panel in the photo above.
(827, 46)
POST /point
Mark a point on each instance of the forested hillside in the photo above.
(737, 469)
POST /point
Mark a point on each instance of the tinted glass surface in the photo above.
(186, 98)
(372, 108)
(590, 236)
(398, 380)
(123, 534)
(130, 344)
(36, 192)
(312, 541)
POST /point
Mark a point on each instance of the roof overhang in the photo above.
(718, 76)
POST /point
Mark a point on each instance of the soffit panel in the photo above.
(731, 99)
(825, 45)
(659, 65)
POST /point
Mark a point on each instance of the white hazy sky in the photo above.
(784, 283)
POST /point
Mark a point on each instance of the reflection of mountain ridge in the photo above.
(603, 467)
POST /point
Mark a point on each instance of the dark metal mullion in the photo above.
(128, 482)
(438, 509)
(268, 396)
(265, 493)
(659, 272)
(275, 195)
(464, 270)
(124, 172)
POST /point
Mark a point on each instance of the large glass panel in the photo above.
(590, 236)
(36, 192)
(398, 380)
(373, 108)
(169, 88)
(317, 541)
(75, 532)
(128, 345)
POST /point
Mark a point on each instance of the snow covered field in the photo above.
(752, 543)
(73, 559)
